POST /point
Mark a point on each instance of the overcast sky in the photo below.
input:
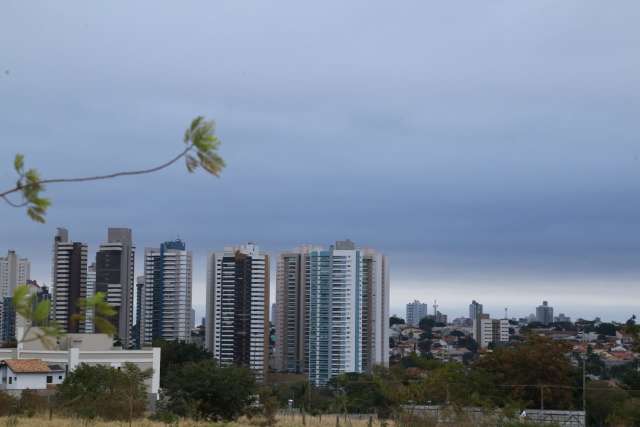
(490, 149)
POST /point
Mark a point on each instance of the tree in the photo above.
(427, 324)
(201, 151)
(36, 314)
(602, 400)
(525, 372)
(203, 390)
(363, 393)
(424, 346)
(104, 392)
(395, 320)
(607, 329)
(176, 354)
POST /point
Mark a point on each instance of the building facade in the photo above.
(166, 293)
(14, 271)
(291, 310)
(237, 329)
(416, 311)
(69, 280)
(115, 263)
(544, 313)
(87, 325)
(492, 331)
(375, 309)
(332, 311)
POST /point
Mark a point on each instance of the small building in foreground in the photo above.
(28, 374)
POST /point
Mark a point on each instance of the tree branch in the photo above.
(94, 178)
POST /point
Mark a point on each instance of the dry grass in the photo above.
(283, 421)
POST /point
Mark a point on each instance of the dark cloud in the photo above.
(491, 150)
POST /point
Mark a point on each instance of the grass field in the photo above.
(283, 421)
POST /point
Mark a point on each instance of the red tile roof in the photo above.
(27, 366)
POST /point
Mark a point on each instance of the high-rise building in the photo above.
(144, 311)
(115, 262)
(475, 314)
(14, 271)
(375, 309)
(353, 285)
(544, 313)
(237, 330)
(475, 309)
(90, 290)
(165, 297)
(562, 318)
(69, 278)
(291, 317)
(335, 312)
(416, 311)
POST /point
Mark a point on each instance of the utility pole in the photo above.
(584, 386)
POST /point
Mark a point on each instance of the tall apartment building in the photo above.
(544, 313)
(292, 310)
(14, 271)
(164, 298)
(491, 331)
(87, 326)
(69, 280)
(475, 309)
(115, 262)
(475, 314)
(313, 283)
(416, 311)
(237, 329)
(375, 309)
(144, 310)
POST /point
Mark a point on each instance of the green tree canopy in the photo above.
(203, 390)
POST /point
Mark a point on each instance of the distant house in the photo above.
(32, 374)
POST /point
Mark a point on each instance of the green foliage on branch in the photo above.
(201, 151)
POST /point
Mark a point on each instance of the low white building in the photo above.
(71, 350)
(27, 374)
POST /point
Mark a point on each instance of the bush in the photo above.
(32, 403)
(8, 404)
(105, 392)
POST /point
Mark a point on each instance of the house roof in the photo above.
(56, 368)
(27, 366)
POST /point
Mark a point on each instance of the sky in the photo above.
(490, 149)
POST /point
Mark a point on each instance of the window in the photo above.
(10, 378)
(60, 377)
(49, 379)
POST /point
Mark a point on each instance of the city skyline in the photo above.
(491, 154)
(454, 308)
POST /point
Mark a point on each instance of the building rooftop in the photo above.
(27, 366)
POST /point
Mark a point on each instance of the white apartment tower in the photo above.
(69, 280)
(165, 296)
(237, 328)
(115, 263)
(332, 311)
(416, 311)
(14, 271)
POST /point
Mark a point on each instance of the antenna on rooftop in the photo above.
(435, 308)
